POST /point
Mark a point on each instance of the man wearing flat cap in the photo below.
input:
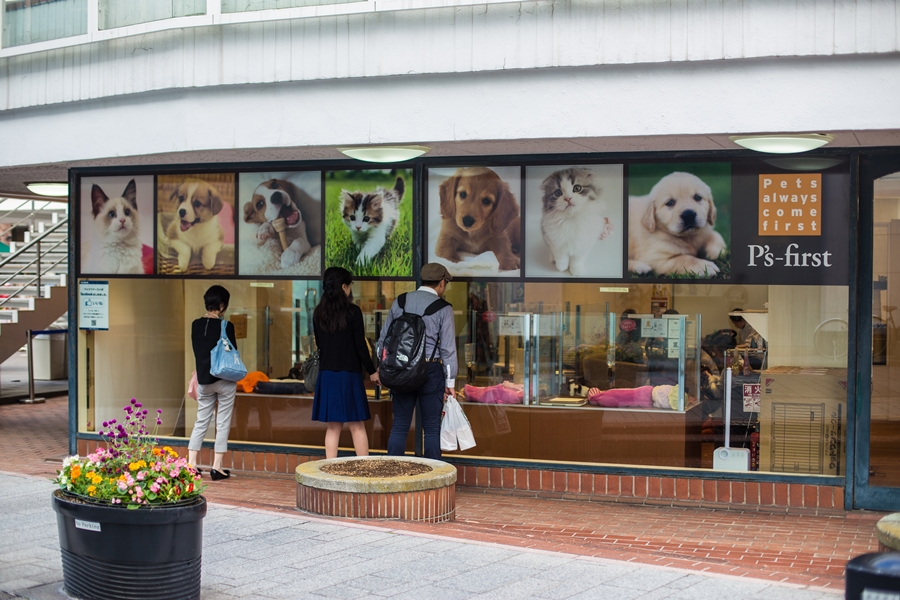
(440, 352)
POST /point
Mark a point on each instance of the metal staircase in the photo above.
(33, 274)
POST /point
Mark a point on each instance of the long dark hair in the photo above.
(334, 307)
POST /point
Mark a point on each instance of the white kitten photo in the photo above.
(576, 228)
(116, 246)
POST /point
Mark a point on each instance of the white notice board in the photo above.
(93, 305)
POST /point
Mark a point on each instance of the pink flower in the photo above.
(140, 476)
(173, 474)
(161, 480)
(122, 485)
(154, 487)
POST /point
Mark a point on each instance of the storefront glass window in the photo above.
(574, 372)
(884, 469)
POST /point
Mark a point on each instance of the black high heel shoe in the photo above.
(218, 475)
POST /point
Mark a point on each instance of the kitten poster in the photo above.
(574, 224)
(280, 223)
(679, 220)
(368, 222)
(474, 224)
(116, 225)
(195, 224)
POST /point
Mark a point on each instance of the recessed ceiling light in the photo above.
(804, 163)
(57, 190)
(385, 154)
(782, 143)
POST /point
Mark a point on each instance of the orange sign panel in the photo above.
(240, 326)
(790, 204)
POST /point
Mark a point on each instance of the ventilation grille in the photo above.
(798, 437)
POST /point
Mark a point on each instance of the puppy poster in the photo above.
(280, 223)
(679, 220)
(368, 222)
(574, 222)
(195, 224)
(117, 225)
(474, 223)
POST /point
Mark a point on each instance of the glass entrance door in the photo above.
(877, 476)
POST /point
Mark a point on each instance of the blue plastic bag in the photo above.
(225, 360)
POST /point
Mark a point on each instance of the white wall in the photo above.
(384, 41)
(566, 105)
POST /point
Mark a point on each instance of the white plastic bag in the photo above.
(455, 421)
(448, 431)
(464, 435)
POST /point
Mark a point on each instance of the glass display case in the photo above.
(588, 359)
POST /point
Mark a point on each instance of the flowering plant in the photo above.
(131, 470)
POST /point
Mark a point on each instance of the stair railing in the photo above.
(42, 267)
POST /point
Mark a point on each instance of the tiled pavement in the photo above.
(270, 555)
(797, 549)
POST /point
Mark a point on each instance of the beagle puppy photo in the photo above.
(676, 229)
(474, 220)
(196, 224)
(281, 229)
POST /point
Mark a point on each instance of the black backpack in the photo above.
(403, 367)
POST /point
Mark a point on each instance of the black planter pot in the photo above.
(111, 553)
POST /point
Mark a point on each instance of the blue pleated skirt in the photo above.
(340, 398)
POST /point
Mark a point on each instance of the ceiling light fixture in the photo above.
(782, 143)
(57, 190)
(385, 154)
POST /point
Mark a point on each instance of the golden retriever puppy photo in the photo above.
(196, 224)
(671, 229)
(478, 214)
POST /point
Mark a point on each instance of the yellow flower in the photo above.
(133, 466)
(91, 489)
(76, 472)
(157, 452)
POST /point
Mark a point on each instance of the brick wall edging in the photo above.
(636, 489)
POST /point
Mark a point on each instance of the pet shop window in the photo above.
(552, 358)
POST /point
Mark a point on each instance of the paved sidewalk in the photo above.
(255, 554)
(799, 548)
(14, 381)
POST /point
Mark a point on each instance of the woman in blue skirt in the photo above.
(343, 354)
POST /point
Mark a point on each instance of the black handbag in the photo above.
(311, 371)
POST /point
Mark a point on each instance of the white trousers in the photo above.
(219, 393)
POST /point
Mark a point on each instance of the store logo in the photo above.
(790, 205)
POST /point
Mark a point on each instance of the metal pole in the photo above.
(39, 269)
(30, 352)
(30, 355)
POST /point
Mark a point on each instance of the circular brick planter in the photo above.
(427, 497)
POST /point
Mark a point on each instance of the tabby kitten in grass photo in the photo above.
(572, 218)
(371, 217)
(116, 245)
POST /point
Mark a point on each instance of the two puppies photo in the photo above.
(280, 226)
(679, 221)
(474, 220)
(117, 225)
(195, 224)
(368, 222)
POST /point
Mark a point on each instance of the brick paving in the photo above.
(801, 549)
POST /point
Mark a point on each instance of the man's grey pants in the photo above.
(220, 392)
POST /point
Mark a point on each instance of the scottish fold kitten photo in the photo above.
(572, 218)
(116, 245)
(371, 217)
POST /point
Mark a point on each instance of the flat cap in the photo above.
(435, 272)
